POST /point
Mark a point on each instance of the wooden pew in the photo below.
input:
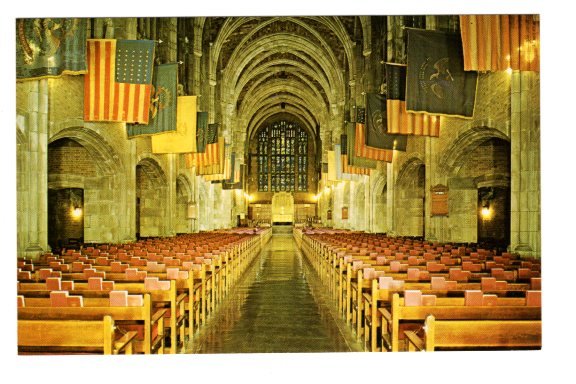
(470, 334)
(127, 317)
(381, 298)
(72, 336)
(449, 308)
(168, 299)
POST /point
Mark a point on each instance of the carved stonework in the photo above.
(283, 207)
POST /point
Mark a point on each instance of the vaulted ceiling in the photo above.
(291, 67)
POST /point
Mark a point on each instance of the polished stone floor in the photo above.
(277, 307)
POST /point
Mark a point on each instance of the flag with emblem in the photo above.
(50, 47)
(376, 126)
(399, 121)
(183, 140)
(436, 82)
(500, 42)
(118, 84)
(163, 102)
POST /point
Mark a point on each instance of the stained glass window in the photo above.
(282, 158)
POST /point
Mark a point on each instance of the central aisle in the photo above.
(273, 310)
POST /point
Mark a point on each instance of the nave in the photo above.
(278, 306)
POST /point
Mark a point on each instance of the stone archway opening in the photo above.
(151, 198)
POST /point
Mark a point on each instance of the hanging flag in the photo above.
(349, 172)
(499, 42)
(183, 140)
(235, 175)
(50, 47)
(212, 133)
(334, 164)
(331, 166)
(239, 183)
(212, 165)
(398, 120)
(207, 162)
(377, 126)
(201, 130)
(163, 101)
(362, 150)
(353, 159)
(436, 81)
(118, 84)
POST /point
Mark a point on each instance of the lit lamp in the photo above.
(76, 212)
(486, 210)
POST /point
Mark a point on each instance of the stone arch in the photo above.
(184, 197)
(151, 198)
(409, 197)
(467, 141)
(104, 155)
(464, 177)
(104, 190)
(379, 204)
(204, 206)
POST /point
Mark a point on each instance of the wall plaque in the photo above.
(439, 201)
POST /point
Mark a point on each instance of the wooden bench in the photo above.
(72, 337)
(475, 334)
(140, 319)
(381, 298)
(168, 299)
(449, 308)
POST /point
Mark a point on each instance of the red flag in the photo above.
(108, 98)
(499, 42)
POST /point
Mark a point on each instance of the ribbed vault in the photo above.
(296, 67)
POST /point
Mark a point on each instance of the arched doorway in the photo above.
(65, 218)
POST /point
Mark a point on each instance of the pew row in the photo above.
(467, 334)
(72, 337)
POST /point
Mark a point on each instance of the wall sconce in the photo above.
(76, 212)
(486, 213)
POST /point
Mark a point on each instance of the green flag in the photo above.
(50, 47)
(436, 81)
(163, 102)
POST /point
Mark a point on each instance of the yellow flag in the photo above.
(183, 140)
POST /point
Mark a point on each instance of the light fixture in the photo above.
(486, 210)
(76, 212)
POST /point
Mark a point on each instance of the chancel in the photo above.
(278, 184)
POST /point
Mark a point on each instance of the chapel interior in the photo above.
(278, 184)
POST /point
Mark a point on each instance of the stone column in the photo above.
(37, 173)
(390, 200)
(525, 164)
(170, 211)
(195, 89)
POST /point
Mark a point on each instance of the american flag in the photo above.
(500, 42)
(209, 162)
(118, 84)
